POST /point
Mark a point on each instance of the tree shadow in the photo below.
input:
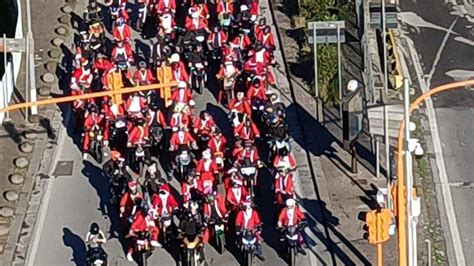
(76, 243)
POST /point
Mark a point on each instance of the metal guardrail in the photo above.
(397, 73)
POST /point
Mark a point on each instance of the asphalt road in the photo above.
(74, 200)
(446, 56)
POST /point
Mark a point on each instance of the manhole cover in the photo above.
(63, 168)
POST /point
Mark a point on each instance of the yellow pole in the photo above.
(379, 254)
(401, 189)
(86, 96)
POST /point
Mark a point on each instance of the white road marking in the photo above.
(443, 177)
(416, 21)
(439, 52)
(43, 210)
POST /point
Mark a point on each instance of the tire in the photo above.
(292, 256)
(249, 258)
(144, 259)
(202, 85)
(98, 153)
(221, 243)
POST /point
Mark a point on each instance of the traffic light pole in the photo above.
(379, 254)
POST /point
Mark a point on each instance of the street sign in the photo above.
(352, 116)
(376, 120)
(13, 45)
(375, 10)
(326, 32)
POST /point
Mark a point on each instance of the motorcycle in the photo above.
(156, 135)
(190, 256)
(229, 83)
(276, 146)
(96, 257)
(292, 234)
(248, 245)
(198, 77)
(96, 139)
(249, 172)
(137, 160)
(118, 133)
(217, 227)
(143, 247)
(183, 160)
(165, 225)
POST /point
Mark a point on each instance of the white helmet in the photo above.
(175, 58)
(290, 203)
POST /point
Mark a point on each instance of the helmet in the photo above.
(115, 155)
(244, 8)
(290, 203)
(94, 228)
(203, 113)
(174, 58)
(262, 21)
(256, 82)
(142, 64)
(120, 21)
(93, 108)
(217, 131)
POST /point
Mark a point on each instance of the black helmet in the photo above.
(256, 82)
(259, 47)
(93, 108)
(203, 113)
(94, 229)
(142, 64)
(262, 21)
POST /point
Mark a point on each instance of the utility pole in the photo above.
(30, 64)
(408, 174)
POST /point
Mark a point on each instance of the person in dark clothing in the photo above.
(191, 226)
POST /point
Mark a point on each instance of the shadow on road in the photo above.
(77, 245)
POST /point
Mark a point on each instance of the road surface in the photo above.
(77, 197)
(443, 35)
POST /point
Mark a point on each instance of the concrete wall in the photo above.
(10, 76)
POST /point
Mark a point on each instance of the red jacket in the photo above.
(286, 161)
(128, 200)
(219, 205)
(93, 120)
(163, 4)
(138, 135)
(242, 107)
(249, 223)
(156, 118)
(206, 166)
(217, 39)
(112, 113)
(143, 77)
(195, 24)
(180, 73)
(164, 204)
(240, 154)
(103, 66)
(134, 103)
(182, 96)
(242, 41)
(206, 180)
(232, 195)
(266, 39)
(293, 219)
(186, 190)
(284, 184)
(176, 140)
(141, 222)
(81, 75)
(123, 33)
(201, 125)
(179, 120)
(216, 145)
(247, 133)
(225, 7)
(125, 50)
(254, 8)
(257, 93)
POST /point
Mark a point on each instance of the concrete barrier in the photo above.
(8, 81)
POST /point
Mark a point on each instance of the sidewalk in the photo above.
(18, 214)
(331, 195)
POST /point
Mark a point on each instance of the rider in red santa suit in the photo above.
(163, 5)
(217, 143)
(257, 93)
(262, 23)
(92, 121)
(136, 105)
(183, 95)
(155, 117)
(247, 130)
(122, 32)
(285, 159)
(247, 151)
(217, 38)
(199, 7)
(167, 22)
(204, 124)
(213, 209)
(178, 69)
(102, 64)
(225, 6)
(284, 185)
(138, 133)
(249, 219)
(130, 199)
(82, 76)
(189, 187)
(239, 106)
(143, 222)
(265, 37)
(181, 137)
(121, 51)
(235, 195)
(242, 41)
(165, 205)
(195, 21)
(291, 215)
(206, 170)
(143, 76)
(180, 119)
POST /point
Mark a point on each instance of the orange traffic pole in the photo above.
(379, 254)
(86, 96)
(401, 189)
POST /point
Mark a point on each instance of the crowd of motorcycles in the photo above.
(222, 46)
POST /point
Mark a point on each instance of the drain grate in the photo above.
(63, 168)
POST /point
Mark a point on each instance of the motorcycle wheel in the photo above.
(143, 259)
(221, 243)
(99, 156)
(203, 85)
(249, 258)
(292, 257)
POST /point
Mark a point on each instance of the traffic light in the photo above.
(394, 70)
(371, 221)
(383, 222)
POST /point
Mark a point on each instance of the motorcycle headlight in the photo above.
(200, 38)
(140, 153)
(100, 137)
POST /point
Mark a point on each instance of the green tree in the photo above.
(323, 10)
